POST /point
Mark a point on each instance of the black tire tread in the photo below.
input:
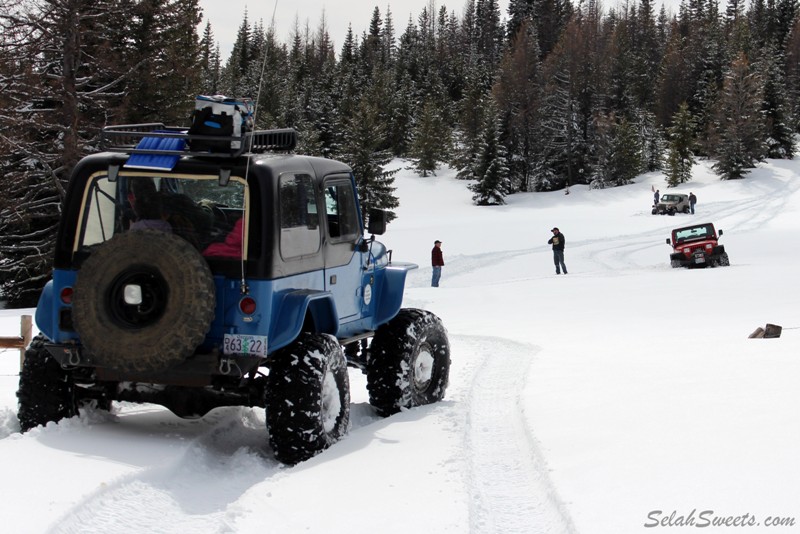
(391, 360)
(294, 397)
(46, 391)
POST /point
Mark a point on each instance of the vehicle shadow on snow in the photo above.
(227, 450)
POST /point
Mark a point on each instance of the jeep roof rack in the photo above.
(126, 138)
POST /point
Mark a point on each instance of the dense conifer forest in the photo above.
(550, 94)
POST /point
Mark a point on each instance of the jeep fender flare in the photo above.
(292, 307)
(390, 292)
(45, 314)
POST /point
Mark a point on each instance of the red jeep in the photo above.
(696, 246)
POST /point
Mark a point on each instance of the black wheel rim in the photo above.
(153, 303)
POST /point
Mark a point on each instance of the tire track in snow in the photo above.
(192, 495)
(510, 488)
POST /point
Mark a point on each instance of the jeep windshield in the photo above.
(197, 208)
(694, 233)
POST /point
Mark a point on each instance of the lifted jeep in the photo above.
(696, 246)
(196, 279)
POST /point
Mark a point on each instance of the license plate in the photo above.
(700, 260)
(245, 344)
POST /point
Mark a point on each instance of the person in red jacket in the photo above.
(437, 262)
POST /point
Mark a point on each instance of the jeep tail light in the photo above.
(66, 295)
(247, 305)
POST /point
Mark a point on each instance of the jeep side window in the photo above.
(341, 212)
(298, 216)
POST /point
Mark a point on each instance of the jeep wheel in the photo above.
(45, 390)
(686, 209)
(723, 260)
(143, 302)
(308, 397)
(408, 363)
(671, 211)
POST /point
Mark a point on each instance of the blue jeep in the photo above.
(196, 279)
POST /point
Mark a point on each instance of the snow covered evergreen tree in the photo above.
(364, 136)
(680, 157)
(620, 154)
(739, 126)
(63, 75)
(775, 104)
(518, 94)
(431, 140)
(491, 169)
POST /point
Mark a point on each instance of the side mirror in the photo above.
(720, 233)
(669, 242)
(377, 221)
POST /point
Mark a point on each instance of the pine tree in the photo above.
(739, 127)
(620, 154)
(361, 151)
(210, 67)
(431, 140)
(518, 94)
(491, 169)
(680, 157)
(163, 45)
(62, 77)
(775, 106)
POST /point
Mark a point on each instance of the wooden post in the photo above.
(25, 332)
(21, 342)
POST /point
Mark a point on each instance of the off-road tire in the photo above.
(178, 300)
(46, 391)
(307, 398)
(723, 260)
(686, 209)
(408, 363)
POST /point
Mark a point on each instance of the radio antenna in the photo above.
(243, 284)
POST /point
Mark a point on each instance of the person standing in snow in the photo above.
(558, 241)
(692, 202)
(437, 262)
(655, 198)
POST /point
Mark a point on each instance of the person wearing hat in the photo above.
(437, 262)
(558, 241)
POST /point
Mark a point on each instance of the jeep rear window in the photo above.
(195, 208)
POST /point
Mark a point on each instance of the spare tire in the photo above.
(143, 302)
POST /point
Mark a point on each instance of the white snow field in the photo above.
(624, 397)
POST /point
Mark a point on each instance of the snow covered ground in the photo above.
(624, 397)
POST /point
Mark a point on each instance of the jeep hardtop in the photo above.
(697, 246)
(198, 279)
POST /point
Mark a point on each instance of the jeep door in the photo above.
(342, 233)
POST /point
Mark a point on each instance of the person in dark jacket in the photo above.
(692, 202)
(558, 241)
(437, 262)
